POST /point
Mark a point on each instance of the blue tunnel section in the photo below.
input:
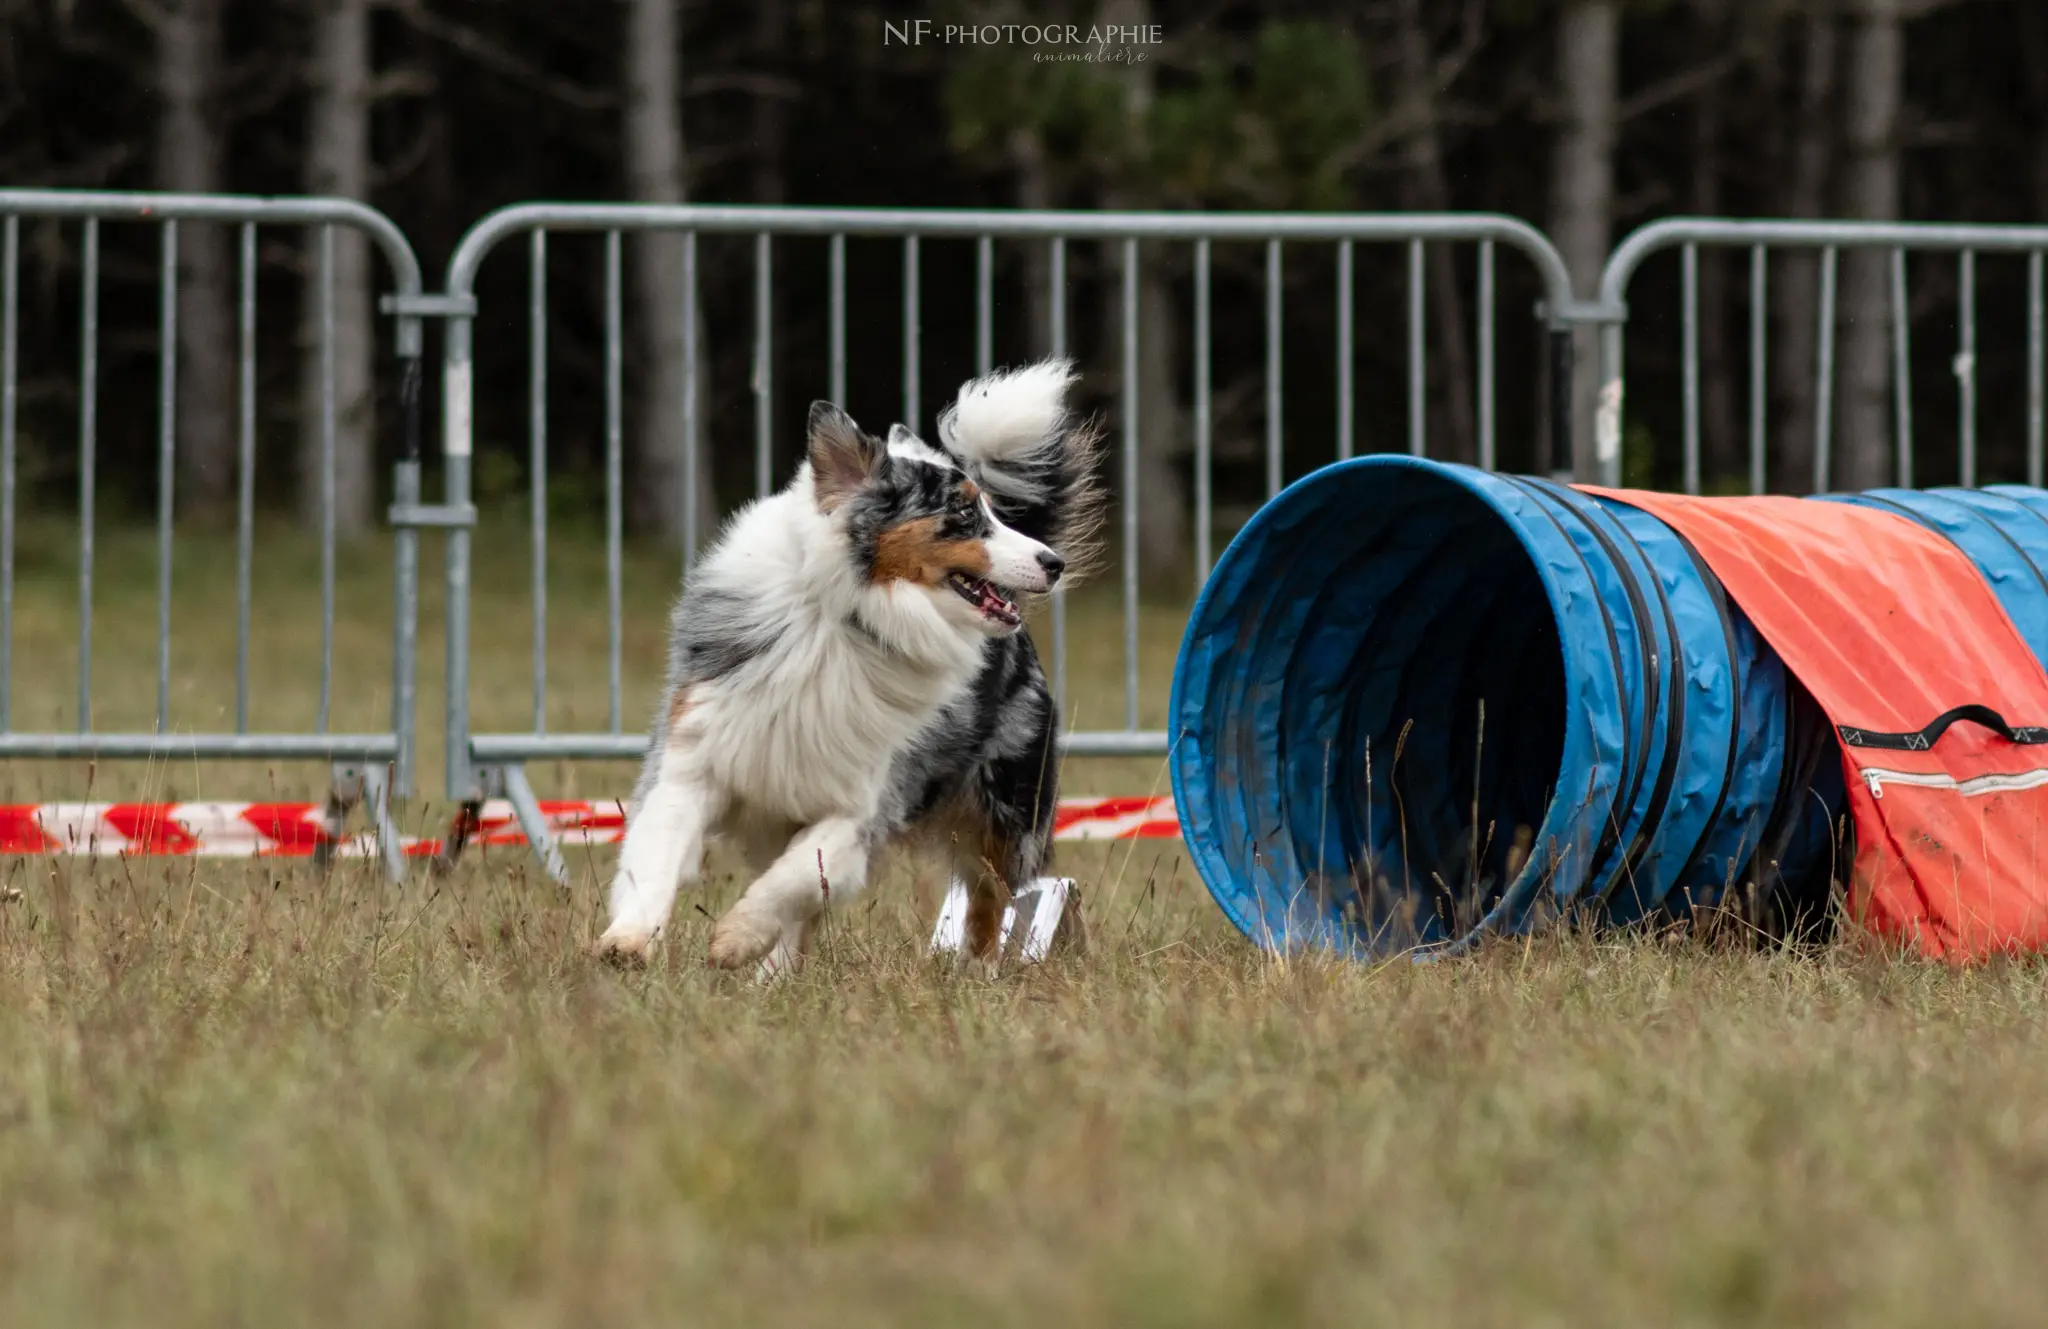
(1417, 703)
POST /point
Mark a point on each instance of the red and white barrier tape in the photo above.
(289, 830)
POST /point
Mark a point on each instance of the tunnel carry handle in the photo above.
(1923, 739)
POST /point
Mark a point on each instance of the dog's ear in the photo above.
(842, 457)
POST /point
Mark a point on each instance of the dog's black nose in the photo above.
(1053, 565)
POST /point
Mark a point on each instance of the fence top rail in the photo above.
(1007, 223)
(1672, 232)
(145, 207)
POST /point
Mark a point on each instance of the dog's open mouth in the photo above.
(983, 595)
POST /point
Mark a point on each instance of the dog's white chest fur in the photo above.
(810, 727)
(813, 732)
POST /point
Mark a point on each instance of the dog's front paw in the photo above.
(786, 956)
(743, 937)
(624, 947)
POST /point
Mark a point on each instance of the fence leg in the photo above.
(344, 791)
(377, 799)
(464, 825)
(369, 787)
(534, 823)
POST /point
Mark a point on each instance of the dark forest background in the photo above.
(1587, 117)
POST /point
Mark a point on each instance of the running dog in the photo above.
(847, 669)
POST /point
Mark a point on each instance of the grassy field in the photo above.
(238, 1093)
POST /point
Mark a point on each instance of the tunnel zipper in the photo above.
(1976, 784)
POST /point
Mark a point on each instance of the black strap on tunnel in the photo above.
(1920, 740)
(1611, 833)
(1653, 677)
(1718, 595)
(1662, 672)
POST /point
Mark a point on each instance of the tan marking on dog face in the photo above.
(914, 552)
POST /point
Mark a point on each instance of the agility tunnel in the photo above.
(1418, 704)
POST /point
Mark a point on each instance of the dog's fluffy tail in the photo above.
(1031, 456)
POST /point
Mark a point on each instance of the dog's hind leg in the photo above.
(1008, 843)
(994, 866)
(825, 861)
(984, 866)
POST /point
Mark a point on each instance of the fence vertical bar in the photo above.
(1056, 314)
(1346, 358)
(245, 474)
(405, 564)
(327, 442)
(1759, 328)
(1966, 365)
(10, 278)
(1902, 372)
(2037, 390)
(88, 445)
(1824, 376)
(457, 442)
(836, 377)
(537, 460)
(1418, 369)
(692, 428)
(1274, 443)
(1690, 320)
(1488, 423)
(764, 364)
(984, 304)
(166, 459)
(1130, 486)
(1205, 480)
(910, 333)
(614, 473)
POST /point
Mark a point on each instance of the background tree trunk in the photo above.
(1582, 186)
(771, 31)
(657, 172)
(1162, 497)
(1424, 189)
(1026, 151)
(2033, 37)
(1721, 444)
(1863, 451)
(1796, 281)
(190, 154)
(338, 163)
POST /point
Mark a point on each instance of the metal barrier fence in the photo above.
(484, 764)
(370, 768)
(378, 766)
(1828, 238)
